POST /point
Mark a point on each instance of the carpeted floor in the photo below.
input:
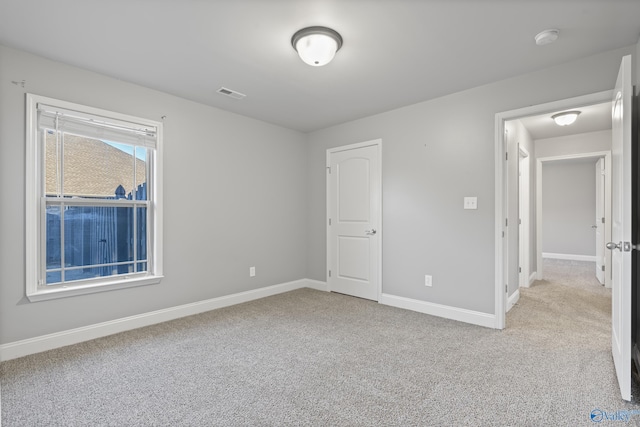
(320, 359)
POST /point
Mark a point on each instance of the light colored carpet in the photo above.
(319, 359)
(576, 274)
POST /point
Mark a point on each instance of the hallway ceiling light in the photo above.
(546, 37)
(566, 118)
(316, 45)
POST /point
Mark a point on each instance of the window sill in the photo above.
(70, 291)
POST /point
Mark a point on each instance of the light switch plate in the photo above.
(471, 203)
(428, 280)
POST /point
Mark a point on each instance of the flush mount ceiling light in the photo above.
(316, 45)
(566, 118)
(546, 37)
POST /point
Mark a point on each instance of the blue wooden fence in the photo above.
(97, 235)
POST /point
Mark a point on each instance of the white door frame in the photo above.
(505, 232)
(378, 204)
(500, 174)
(607, 207)
(524, 208)
(600, 219)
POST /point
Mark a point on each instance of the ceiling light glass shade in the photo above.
(547, 37)
(566, 118)
(316, 45)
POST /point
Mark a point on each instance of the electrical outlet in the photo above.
(252, 271)
(428, 280)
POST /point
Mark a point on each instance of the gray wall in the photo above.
(260, 192)
(569, 207)
(581, 143)
(435, 153)
(591, 142)
(234, 197)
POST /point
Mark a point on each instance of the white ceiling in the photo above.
(395, 53)
(592, 118)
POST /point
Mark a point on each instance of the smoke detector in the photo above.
(546, 37)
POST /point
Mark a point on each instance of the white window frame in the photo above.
(36, 290)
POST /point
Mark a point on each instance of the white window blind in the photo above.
(106, 231)
(97, 127)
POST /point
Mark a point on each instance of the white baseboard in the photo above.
(316, 284)
(569, 257)
(73, 336)
(459, 314)
(513, 299)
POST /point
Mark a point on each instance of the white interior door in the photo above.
(523, 212)
(354, 223)
(505, 230)
(621, 228)
(599, 221)
(512, 216)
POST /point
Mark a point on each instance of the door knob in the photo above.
(594, 226)
(371, 232)
(612, 246)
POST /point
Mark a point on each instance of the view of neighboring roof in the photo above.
(91, 168)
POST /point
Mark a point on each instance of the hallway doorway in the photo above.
(526, 127)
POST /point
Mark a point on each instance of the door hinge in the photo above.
(603, 220)
(602, 267)
(519, 221)
(329, 273)
(329, 169)
(506, 222)
(519, 269)
(503, 234)
(506, 156)
(506, 288)
(329, 221)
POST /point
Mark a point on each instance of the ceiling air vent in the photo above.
(231, 93)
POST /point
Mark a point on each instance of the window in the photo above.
(93, 199)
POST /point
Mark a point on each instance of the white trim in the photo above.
(316, 284)
(448, 312)
(513, 299)
(500, 118)
(73, 336)
(34, 206)
(92, 287)
(32, 203)
(499, 229)
(524, 212)
(569, 257)
(532, 278)
(607, 207)
(377, 143)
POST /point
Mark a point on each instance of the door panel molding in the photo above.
(355, 273)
